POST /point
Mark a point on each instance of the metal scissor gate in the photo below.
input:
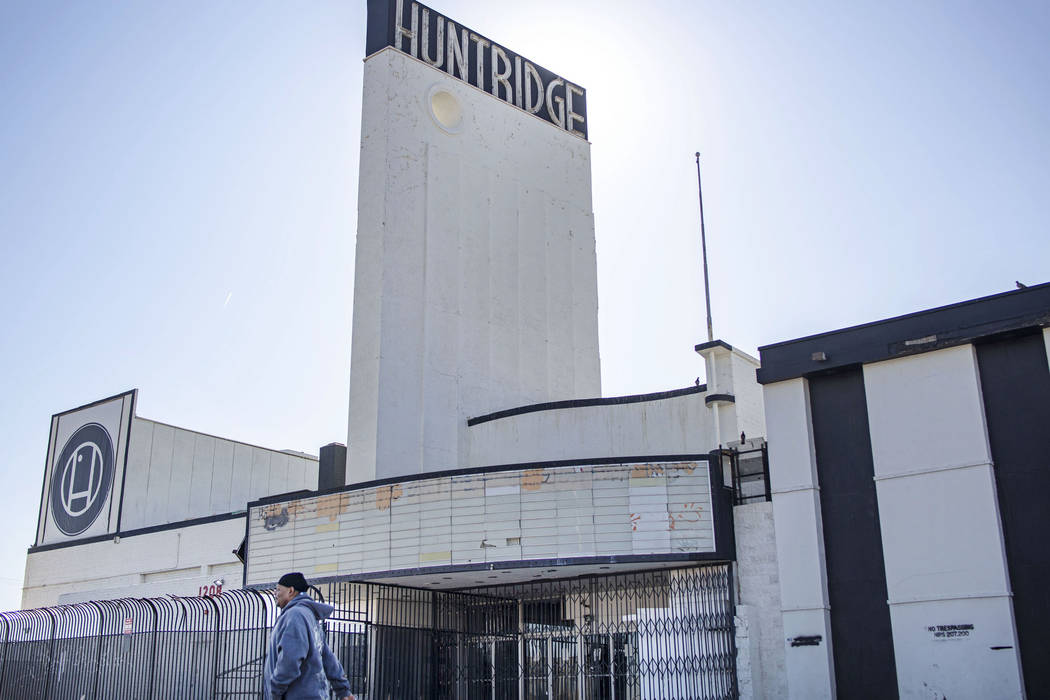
(662, 634)
(659, 634)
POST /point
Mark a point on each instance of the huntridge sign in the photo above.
(422, 33)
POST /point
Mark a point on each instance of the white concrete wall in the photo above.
(679, 425)
(176, 561)
(759, 607)
(800, 539)
(475, 285)
(750, 410)
(730, 371)
(175, 474)
(941, 535)
(514, 515)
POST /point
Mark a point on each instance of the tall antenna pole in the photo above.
(703, 243)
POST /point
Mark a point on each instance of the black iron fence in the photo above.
(749, 469)
(172, 647)
(660, 634)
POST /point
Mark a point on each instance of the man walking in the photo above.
(299, 664)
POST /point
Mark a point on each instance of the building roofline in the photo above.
(583, 403)
(910, 334)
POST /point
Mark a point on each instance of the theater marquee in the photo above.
(422, 33)
(647, 511)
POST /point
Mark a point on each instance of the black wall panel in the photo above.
(1015, 382)
(860, 617)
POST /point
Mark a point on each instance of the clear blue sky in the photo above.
(178, 188)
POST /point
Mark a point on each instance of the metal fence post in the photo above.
(98, 653)
(50, 650)
(153, 647)
(264, 627)
(218, 639)
(3, 656)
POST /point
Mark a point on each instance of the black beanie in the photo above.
(294, 580)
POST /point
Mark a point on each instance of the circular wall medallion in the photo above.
(445, 109)
(81, 480)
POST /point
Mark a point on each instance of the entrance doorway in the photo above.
(657, 634)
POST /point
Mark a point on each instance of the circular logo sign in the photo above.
(81, 479)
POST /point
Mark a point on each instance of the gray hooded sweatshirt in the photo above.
(299, 664)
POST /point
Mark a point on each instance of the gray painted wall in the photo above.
(176, 474)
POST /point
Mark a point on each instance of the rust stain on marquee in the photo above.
(533, 479)
(690, 513)
(645, 471)
(385, 495)
(332, 505)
